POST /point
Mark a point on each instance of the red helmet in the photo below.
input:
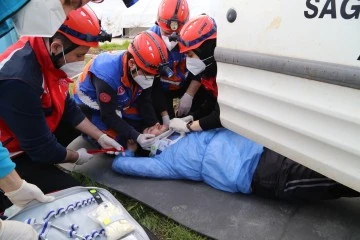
(172, 15)
(82, 27)
(150, 52)
(196, 31)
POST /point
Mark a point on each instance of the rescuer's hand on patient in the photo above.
(178, 125)
(26, 193)
(146, 140)
(84, 156)
(165, 120)
(184, 105)
(107, 142)
(188, 119)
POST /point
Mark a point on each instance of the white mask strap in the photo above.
(62, 47)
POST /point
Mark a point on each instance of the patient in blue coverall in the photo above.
(230, 162)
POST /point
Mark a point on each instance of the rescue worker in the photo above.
(34, 79)
(198, 41)
(114, 90)
(16, 189)
(171, 17)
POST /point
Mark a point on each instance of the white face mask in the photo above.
(144, 81)
(41, 18)
(169, 45)
(72, 69)
(195, 65)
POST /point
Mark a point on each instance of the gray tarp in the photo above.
(223, 215)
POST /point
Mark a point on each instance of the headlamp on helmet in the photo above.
(174, 25)
(172, 14)
(164, 69)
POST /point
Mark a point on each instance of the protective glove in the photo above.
(178, 125)
(184, 105)
(15, 230)
(107, 142)
(26, 193)
(84, 156)
(166, 120)
(188, 119)
(146, 140)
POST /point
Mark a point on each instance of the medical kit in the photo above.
(81, 213)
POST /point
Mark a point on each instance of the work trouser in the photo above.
(48, 177)
(277, 176)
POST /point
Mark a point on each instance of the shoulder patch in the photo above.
(121, 90)
(104, 97)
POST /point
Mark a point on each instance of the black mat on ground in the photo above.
(223, 215)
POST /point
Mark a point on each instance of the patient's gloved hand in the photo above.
(129, 153)
(15, 230)
(26, 193)
(178, 125)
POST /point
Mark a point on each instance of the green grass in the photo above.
(114, 46)
(163, 227)
(105, 47)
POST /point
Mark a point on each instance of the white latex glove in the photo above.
(184, 105)
(107, 142)
(188, 119)
(26, 193)
(178, 125)
(166, 120)
(146, 140)
(84, 156)
(15, 230)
